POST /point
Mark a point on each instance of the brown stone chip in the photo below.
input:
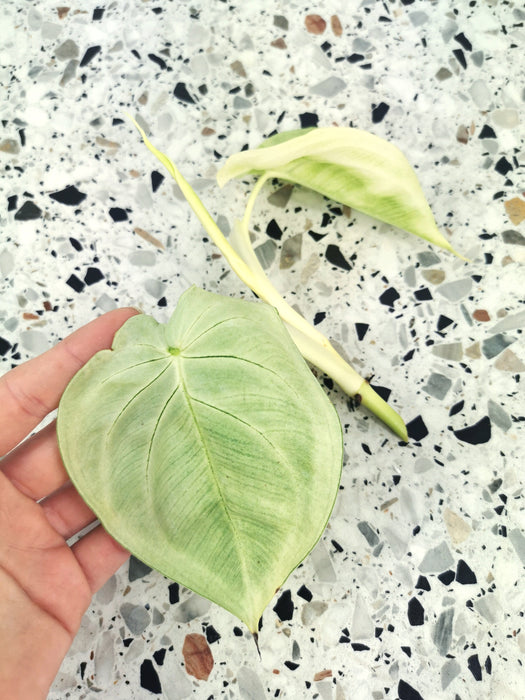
(315, 24)
(9, 146)
(509, 362)
(106, 143)
(327, 673)
(515, 209)
(279, 43)
(197, 655)
(481, 315)
(335, 23)
(238, 68)
(148, 237)
(62, 12)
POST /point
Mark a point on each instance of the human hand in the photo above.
(45, 585)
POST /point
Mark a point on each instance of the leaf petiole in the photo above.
(312, 344)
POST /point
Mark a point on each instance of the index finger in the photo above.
(32, 390)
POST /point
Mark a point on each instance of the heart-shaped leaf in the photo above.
(206, 447)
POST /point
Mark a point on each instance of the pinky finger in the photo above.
(99, 556)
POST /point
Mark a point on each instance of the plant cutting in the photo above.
(205, 445)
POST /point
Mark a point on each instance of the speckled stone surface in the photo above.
(417, 588)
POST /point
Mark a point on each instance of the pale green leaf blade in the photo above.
(350, 166)
(206, 447)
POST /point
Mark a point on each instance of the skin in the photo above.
(46, 585)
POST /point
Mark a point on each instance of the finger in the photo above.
(66, 511)
(35, 467)
(32, 390)
(99, 556)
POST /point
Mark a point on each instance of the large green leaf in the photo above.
(206, 447)
(347, 165)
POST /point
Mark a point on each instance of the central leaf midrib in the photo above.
(238, 541)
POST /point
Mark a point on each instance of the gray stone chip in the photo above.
(436, 559)
(442, 634)
(136, 617)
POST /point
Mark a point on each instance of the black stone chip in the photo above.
(366, 449)
(407, 651)
(5, 345)
(284, 606)
(308, 119)
(159, 656)
(443, 322)
(181, 93)
(355, 58)
(456, 408)
(75, 283)
(335, 257)
(28, 211)
(89, 55)
(237, 631)
(76, 244)
(487, 133)
(474, 666)
(156, 180)
(118, 214)
(476, 434)
(158, 60)
(319, 317)
(446, 577)
(462, 39)
(173, 590)
(389, 296)
(503, 166)
(458, 53)
(305, 593)
(149, 678)
(291, 665)
(211, 634)
(379, 112)
(416, 612)
(98, 13)
(422, 583)
(11, 202)
(357, 646)
(423, 294)
(464, 574)
(274, 230)
(328, 382)
(316, 236)
(361, 329)
(417, 429)
(69, 195)
(383, 391)
(404, 690)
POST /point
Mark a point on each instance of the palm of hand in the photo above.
(46, 584)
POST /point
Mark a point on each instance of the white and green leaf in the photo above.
(350, 166)
(206, 448)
